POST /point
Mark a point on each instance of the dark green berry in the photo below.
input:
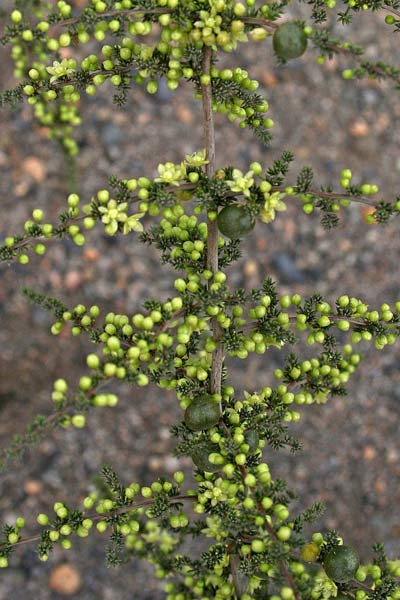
(289, 41)
(235, 221)
(203, 413)
(252, 439)
(200, 456)
(341, 564)
(263, 576)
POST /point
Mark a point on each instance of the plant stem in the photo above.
(209, 132)
(212, 238)
(213, 229)
(99, 517)
(116, 13)
(239, 581)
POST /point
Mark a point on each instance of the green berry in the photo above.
(85, 383)
(202, 413)
(252, 438)
(235, 221)
(20, 522)
(34, 74)
(113, 344)
(347, 74)
(16, 16)
(78, 421)
(38, 215)
(287, 593)
(257, 546)
(180, 285)
(42, 519)
(23, 259)
(289, 41)
(284, 533)
(179, 477)
(93, 361)
(341, 564)
(60, 385)
(200, 456)
(40, 249)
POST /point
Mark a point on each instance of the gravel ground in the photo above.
(351, 452)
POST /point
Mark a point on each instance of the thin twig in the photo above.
(116, 13)
(262, 22)
(391, 10)
(212, 227)
(99, 517)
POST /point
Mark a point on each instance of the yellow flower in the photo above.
(325, 586)
(113, 215)
(273, 203)
(60, 69)
(133, 223)
(197, 159)
(171, 174)
(241, 183)
(214, 528)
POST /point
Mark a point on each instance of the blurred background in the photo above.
(351, 446)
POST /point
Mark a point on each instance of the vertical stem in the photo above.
(212, 238)
(239, 581)
(209, 132)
